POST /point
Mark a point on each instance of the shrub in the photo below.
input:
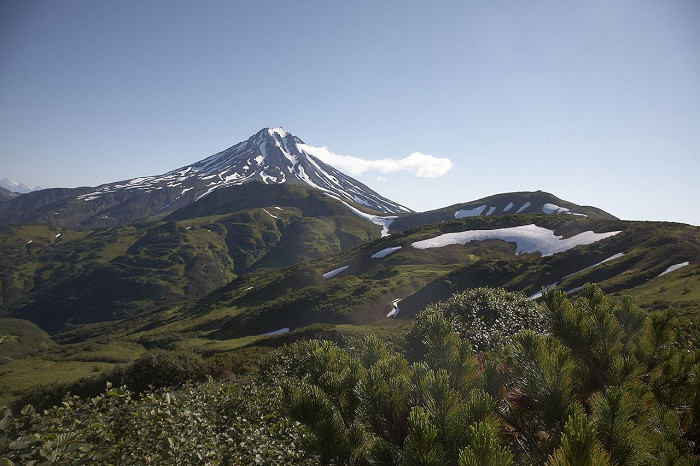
(487, 317)
(206, 423)
(161, 368)
(155, 368)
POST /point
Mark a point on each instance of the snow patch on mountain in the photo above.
(394, 308)
(550, 208)
(539, 293)
(523, 207)
(16, 187)
(276, 332)
(383, 222)
(508, 207)
(675, 267)
(335, 272)
(278, 131)
(385, 252)
(475, 212)
(528, 239)
(268, 213)
(613, 257)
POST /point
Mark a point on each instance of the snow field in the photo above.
(523, 207)
(553, 209)
(528, 239)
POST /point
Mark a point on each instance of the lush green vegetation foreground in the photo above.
(590, 382)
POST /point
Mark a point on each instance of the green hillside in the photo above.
(59, 277)
(299, 265)
(20, 338)
(361, 294)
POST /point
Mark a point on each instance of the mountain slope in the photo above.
(271, 156)
(19, 338)
(56, 276)
(358, 286)
(6, 194)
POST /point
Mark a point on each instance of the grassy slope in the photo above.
(299, 295)
(28, 357)
(361, 294)
(236, 315)
(19, 338)
(108, 274)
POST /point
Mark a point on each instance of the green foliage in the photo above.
(542, 370)
(487, 317)
(601, 383)
(156, 368)
(161, 368)
(483, 449)
(579, 446)
(209, 423)
(609, 359)
(616, 416)
(377, 408)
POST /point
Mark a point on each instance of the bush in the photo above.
(599, 382)
(156, 368)
(487, 317)
(162, 368)
(207, 423)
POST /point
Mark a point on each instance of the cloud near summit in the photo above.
(421, 165)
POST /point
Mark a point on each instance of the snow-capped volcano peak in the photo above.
(272, 155)
(278, 131)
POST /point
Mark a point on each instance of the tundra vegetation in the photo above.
(483, 378)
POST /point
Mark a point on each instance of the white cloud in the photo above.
(421, 165)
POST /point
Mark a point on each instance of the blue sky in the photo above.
(597, 102)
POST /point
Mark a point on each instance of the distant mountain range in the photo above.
(270, 157)
(15, 187)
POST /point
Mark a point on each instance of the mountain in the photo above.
(16, 187)
(537, 202)
(271, 156)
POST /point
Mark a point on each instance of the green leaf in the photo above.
(6, 421)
